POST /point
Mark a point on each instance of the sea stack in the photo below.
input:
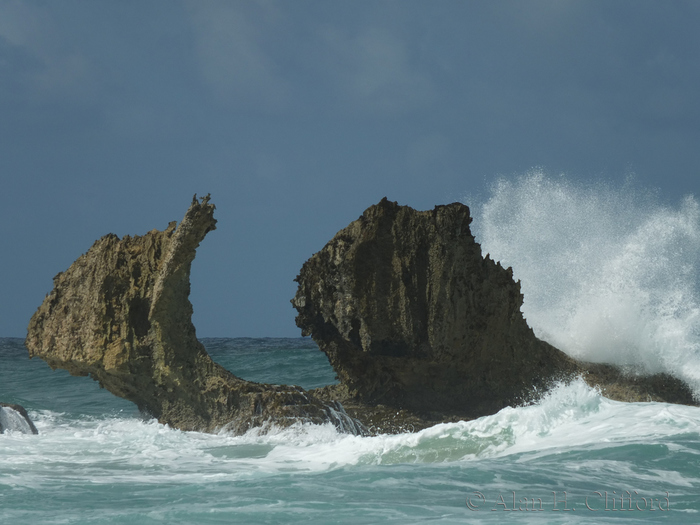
(419, 327)
(412, 317)
(121, 314)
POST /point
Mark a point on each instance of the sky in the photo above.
(296, 116)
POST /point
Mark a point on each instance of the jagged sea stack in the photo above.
(121, 314)
(413, 317)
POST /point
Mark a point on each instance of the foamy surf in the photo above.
(98, 462)
(571, 416)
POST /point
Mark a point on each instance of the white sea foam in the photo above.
(570, 416)
(129, 450)
(122, 469)
(609, 274)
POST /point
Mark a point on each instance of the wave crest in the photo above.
(609, 273)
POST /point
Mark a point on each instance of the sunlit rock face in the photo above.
(121, 314)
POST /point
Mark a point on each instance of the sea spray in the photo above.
(609, 273)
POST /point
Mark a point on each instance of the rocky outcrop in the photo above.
(413, 318)
(15, 418)
(419, 327)
(122, 315)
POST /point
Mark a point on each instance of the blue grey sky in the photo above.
(297, 115)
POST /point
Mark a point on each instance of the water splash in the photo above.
(571, 415)
(11, 420)
(609, 273)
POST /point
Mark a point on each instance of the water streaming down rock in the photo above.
(15, 418)
(121, 314)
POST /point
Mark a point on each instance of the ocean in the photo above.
(575, 457)
(613, 278)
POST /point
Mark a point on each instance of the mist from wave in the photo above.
(609, 272)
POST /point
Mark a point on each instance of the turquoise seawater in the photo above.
(97, 460)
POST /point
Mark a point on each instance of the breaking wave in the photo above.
(609, 273)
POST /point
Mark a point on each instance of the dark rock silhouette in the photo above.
(413, 318)
(121, 314)
(15, 417)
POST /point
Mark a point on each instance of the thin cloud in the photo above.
(264, 56)
(56, 71)
(233, 59)
(376, 70)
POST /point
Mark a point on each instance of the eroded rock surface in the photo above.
(419, 327)
(122, 315)
(413, 318)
